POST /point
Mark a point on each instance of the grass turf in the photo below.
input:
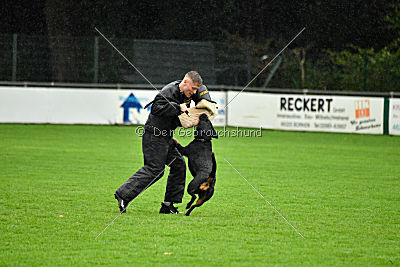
(341, 191)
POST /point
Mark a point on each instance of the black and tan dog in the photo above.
(202, 163)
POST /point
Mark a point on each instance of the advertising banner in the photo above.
(130, 106)
(131, 103)
(220, 98)
(394, 116)
(23, 105)
(57, 105)
(307, 112)
(83, 106)
(330, 113)
(253, 110)
(270, 111)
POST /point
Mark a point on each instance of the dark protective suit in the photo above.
(158, 147)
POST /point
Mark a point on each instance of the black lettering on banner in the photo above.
(313, 104)
(298, 108)
(321, 104)
(329, 100)
(283, 103)
(306, 104)
(290, 104)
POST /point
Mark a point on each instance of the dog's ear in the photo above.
(203, 117)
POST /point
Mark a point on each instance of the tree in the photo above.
(61, 24)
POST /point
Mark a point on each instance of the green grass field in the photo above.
(341, 191)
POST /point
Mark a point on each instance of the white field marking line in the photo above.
(131, 202)
(116, 49)
(265, 66)
(266, 200)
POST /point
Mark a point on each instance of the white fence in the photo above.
(327, 113)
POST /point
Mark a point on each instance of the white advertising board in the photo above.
(131, 105)
(49, 105)
(306, 112)
(250, 110)
(86, 106)
(82, 106)
(394, 116)
(270, 111)
(23, 105)
(220, 98)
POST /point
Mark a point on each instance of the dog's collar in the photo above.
(202, 140)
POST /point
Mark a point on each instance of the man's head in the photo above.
(190, 83)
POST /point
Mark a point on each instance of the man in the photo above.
(157, 144)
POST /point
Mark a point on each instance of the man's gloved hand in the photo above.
(183, 107)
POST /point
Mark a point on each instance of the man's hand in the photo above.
(175, 141)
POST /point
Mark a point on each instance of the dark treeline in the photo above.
(347, 45)
(330, 24)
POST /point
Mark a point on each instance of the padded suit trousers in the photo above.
(158, 151)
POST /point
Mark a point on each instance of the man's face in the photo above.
(188, 87)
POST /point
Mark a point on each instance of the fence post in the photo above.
(96, 60)
(14, 58)
(386, 116)
(248, 58)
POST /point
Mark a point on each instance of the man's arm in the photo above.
(162, 106)
(202, 93)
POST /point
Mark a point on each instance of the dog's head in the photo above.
(205, 129)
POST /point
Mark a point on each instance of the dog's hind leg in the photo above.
(191, 201)
(199, 202)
